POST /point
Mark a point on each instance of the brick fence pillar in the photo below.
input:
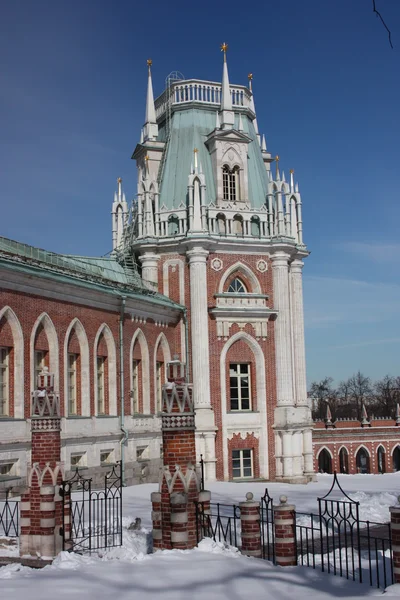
(41, 517)
(285, 533)
(395, 529)
(157, 520)
(174, 516)
(250, 525)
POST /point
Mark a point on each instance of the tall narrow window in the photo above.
(237, 287)
(100, 385)
(239, 383)
(230, 183)
(135, 386)
(159, 384)
(4, 381)
(40, 362)
(242, 464)
(72, 395)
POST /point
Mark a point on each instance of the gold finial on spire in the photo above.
(277, 159)
(149, 62)
(291, 171)
(250, 76)
(195, 151)
(147, 157)
(119, 180)
(224, 47)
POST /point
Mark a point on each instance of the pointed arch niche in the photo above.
(105, 372)
(139, 374)
(12, 360)
(76, 371)
(162, 356)
(244, 273)
(44, 350)
(255, 421)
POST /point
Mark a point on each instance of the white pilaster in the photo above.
(149, 262)
(205, 426)
(283, 351)
(287, 454)
(308, 452)
(298, 332)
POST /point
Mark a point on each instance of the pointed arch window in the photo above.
(237, 287)
(230, 183)
(4, 381)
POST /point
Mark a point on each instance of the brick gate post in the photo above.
(395, 529)
(285, 533)
(174, 517)
(41, 507)
(250, 525)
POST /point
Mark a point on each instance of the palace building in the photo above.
(207, 267)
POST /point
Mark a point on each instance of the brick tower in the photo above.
(217, 230)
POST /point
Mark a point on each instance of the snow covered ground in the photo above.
(212, 571)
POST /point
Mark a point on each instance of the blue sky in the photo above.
(326, 84)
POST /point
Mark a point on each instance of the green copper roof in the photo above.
(189, 129)
(100, 272)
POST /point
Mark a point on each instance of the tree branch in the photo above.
(378, 14)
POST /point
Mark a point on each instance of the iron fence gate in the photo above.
(267, 527)
(9, 517)
(92, 519)
(339, 542)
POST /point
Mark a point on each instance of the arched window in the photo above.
(381, 460)
(237, 286)
(76, 371)
(11, 365)
(221, 222)
(255, 226)
(230, 183)
(324, 461)
(344, 460)
(362, 461)
(237, 225)
(396, 459)
(173, 225)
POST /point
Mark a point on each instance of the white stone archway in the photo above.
(18, 338)
(239, 267)
(261, 390)
(140, 338)
(77, 326)
(112, 368)
(163, 342)
(52, 340)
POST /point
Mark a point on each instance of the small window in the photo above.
(107, 457)
(230, 183)
(242, 464)
(78, 460)
(135, 386)
(239, 385)
(72, 404)
(4, 381)
(159, 384)
(237, 287)
(100, 385)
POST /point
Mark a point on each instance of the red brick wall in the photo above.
(28, 307)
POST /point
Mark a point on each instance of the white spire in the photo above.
(263, 144)
(150, 126)
(252, 106)
(283, 177)
(291, 180)
(227, 116)
(119, 214)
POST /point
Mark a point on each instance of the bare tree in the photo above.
(386, 396)
(323, 393)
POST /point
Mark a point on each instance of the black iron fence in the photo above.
(9, 517)
(221, 522)
(267, 527)
(92, 519)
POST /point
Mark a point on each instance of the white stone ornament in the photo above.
(217, 264)
(262, 266)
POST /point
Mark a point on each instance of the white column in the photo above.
(287, 454)
(205, 424)
(283, 350)
(199, 327)
(149, 262)
(298, 332)
(308, 452)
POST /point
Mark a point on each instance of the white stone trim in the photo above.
(18, 338)
(394, 447)
(112, 369)
(163, 342)
(179, 263)
(324, 448)
(52, 340)
(77, 326)
(355, 452)
(144, 352)
(247, 272)
(261, 402)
